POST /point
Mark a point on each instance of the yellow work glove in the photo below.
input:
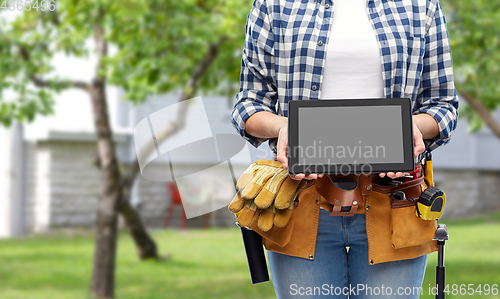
(266, 192)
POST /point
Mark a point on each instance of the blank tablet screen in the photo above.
(330, 136)
(333, 133)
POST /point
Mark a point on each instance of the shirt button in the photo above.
(320, 43)
(314, 87)
(327, 6)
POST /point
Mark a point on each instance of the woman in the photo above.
(319, 49)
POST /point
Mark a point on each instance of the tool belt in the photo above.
(394, 231)
(343, 195)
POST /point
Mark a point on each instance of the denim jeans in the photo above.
(340, 268)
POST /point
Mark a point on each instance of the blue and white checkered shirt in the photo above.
(285, 50)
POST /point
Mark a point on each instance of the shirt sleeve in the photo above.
(258, 90)
(437, 94)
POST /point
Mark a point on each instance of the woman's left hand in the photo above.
(418, 147)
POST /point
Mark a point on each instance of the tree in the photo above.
(160, 46)
(475, 40)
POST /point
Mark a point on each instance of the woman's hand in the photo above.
(418, 148)
(265, 124)
(282, 155)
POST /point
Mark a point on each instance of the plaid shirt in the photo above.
(285, 50)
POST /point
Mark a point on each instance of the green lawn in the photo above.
(204, 264)
(472, 256)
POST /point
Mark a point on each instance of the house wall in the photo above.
(156, 200)
(12, 178)
(63, 185)
(468, 192)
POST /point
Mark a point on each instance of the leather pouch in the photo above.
(345, 202)
(407, 229)
(277, 235)
(281, 236)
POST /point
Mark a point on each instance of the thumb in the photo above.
(282, 147)
(419, 146)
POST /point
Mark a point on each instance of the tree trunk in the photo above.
(115, 192)
(483, 112)
(145, 245)
(109, 197)
(106, 227)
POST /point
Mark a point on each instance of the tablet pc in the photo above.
(350, 136)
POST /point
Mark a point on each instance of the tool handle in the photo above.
(255, 256)
(440, 270)
(440, 281)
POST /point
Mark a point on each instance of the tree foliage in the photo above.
(158, 44)
(475, 41)
(154, 47)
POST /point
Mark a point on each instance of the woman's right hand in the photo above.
(282, 155)
(265, 124)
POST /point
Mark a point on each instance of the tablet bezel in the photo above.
(407, 123)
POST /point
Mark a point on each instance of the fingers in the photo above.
(297, 177)
(392, 175)
(302, 176)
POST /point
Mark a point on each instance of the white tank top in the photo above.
(353, 67)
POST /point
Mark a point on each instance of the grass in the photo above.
(472, 256)
(205, 264)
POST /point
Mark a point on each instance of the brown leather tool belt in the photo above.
(346, 198)
(345, 193)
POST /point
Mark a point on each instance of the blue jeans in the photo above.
(340, 268)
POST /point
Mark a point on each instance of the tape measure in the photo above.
(430, 204)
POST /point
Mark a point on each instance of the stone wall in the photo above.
(468, 192)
